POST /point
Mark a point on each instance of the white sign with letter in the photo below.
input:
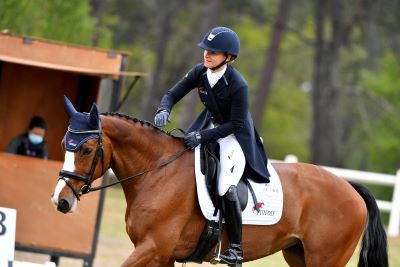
(7, 235)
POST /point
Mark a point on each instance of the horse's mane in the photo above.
(137, 121)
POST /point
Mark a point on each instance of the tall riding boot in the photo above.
(233, 256)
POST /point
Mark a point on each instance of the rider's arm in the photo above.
(180, 89)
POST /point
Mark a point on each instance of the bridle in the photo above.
(87, 187)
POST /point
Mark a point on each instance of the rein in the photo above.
(165, 163)
(86, 188)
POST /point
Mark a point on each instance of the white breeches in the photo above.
(232, 163)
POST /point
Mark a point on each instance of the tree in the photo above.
(154, 91)
(67, 21)
(325, 90)
(211, 9)
(270, 62)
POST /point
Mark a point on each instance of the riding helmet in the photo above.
(221, 39)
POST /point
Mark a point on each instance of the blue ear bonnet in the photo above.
(82, 126)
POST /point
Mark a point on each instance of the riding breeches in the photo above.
(232, 163)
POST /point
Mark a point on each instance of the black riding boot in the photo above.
(233, 256)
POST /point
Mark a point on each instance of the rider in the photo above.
(225, 95)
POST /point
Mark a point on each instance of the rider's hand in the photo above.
(162, 117)
(192, 139)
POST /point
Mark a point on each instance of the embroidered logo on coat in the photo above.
(201, 90)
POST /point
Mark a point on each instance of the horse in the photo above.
(323, 218)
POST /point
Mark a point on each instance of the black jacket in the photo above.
(227, 104)
(21, 145)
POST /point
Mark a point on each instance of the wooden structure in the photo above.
(34, 76)
(26, 186)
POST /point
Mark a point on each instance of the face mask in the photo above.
(35, 139)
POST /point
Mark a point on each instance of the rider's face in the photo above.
(212, 59)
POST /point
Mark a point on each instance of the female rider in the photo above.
(225, 95)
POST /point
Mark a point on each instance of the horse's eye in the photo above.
(87, 151)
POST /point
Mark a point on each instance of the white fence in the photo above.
(393, 207)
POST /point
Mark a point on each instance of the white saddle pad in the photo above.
(269, 198)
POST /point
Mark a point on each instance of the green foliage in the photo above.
(286, 122)
(67, 21)
(368, 122)
(385, 81)
(383, 140)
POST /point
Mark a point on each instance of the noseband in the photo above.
(86, 188)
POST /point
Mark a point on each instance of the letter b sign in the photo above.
(7, 234)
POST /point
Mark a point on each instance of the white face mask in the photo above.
(35, 139)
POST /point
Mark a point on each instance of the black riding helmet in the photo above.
(221, 39)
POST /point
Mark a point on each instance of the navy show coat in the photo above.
(227, 104)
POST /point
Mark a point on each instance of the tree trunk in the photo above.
(210, 15)
(270, 63)
(154, 93)
(372, 44)
(325, 93)
(96, 12)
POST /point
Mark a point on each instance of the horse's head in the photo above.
(85, 160)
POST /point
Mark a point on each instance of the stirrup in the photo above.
(218, 259)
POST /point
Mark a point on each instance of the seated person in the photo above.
(31, 143)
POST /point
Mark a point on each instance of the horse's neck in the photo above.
(137, 148)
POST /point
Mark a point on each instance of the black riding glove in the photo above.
(162, 117)
(192, 139)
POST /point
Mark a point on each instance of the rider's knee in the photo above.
(232, 193)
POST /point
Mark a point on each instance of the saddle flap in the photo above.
(210, 164)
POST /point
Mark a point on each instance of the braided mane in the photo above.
(137, 121)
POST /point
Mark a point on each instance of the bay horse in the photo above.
(323, 217)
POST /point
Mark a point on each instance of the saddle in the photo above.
(209, 165)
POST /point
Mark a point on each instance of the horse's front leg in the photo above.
(147, 255)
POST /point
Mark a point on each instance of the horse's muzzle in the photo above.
(63, 206)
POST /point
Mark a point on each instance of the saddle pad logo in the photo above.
(260, 205)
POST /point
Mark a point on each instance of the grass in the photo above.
(114, 245)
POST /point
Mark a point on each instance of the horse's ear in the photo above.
(69, 108)
(94, 115)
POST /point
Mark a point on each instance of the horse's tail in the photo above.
(374, 243)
